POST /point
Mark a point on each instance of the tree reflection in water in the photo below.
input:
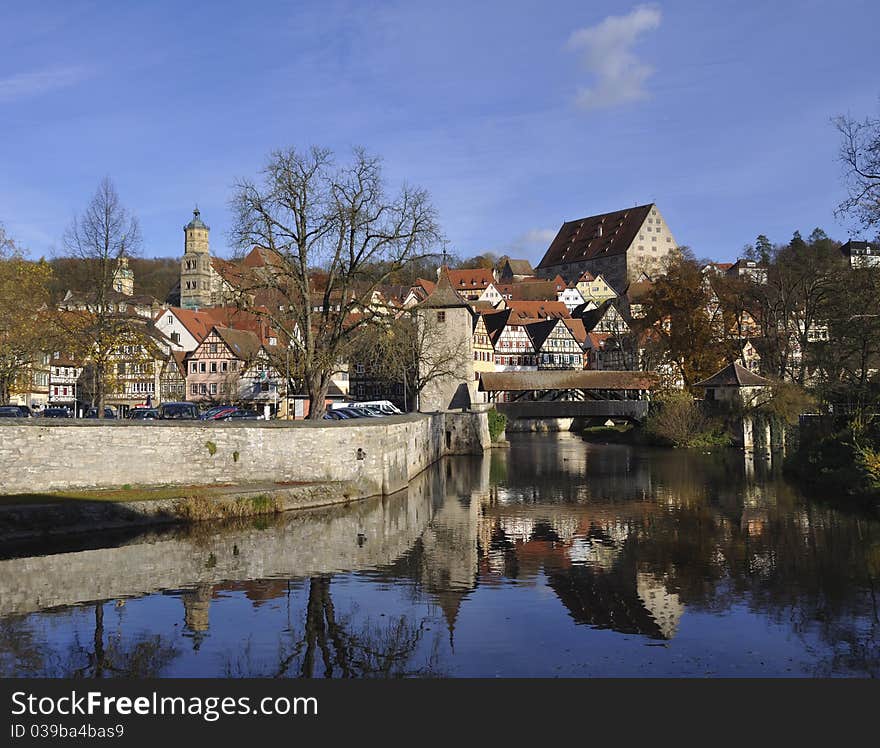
(329, 646)
(113, 655)
(657, 546)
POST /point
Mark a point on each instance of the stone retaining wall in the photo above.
(379, 455)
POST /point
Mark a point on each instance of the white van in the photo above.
(384, 407)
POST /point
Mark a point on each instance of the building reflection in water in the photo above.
(625, 540)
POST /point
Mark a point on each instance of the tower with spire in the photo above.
(195, 267)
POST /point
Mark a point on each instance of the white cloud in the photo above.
(32, 84)
(536, 236)
(606, 52)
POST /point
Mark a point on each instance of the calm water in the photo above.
(554, 557)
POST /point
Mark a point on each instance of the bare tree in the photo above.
(412, 349)
(104, 234)
(332, 236)
(860, 156)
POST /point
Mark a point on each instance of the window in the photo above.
(441, 317)
(175, 337)
(203, 389)
(213, 367)
(212, 348)
(224, 366)
(213, 388)
(202, 366)
(195, 367)
(194, 389)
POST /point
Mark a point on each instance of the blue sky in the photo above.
(515, 116)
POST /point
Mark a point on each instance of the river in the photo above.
(554, 557)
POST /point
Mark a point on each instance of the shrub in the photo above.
(497, 424)
(678, 420)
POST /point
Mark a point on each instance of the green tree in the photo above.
(24, 295)
(684, 318)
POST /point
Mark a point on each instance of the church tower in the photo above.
(195, 267)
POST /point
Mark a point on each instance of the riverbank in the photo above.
(72, 476)
(43, 516)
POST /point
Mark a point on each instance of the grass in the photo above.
(201, 508)
(623, 433)
(110, 495)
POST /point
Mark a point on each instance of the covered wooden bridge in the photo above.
(570, 394)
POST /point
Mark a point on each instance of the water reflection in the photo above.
(552, 557)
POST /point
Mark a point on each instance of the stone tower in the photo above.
(195, 267)
(446, 326)
(123, 277)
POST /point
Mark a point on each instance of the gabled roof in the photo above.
(734, 375)
(602, 235)
(197, 323)
(592, 317)
(577, 329)
(443, 296)
(260, 257)
(586, 277)
(243, 343)
(520, 267)
(495, 324)
(538, 332)
(178, 358)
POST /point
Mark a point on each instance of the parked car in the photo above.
(56, 413)
(108, 412)
(354, 412)
(335, 415)
(10, 411)
(217, 412)
(242, 415)
(185, 411)
(143, 414)
(385, 407)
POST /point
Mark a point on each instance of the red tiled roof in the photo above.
(577, 329)
(198, 324)
(582, 240)
(478, 278)
(522, 311)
